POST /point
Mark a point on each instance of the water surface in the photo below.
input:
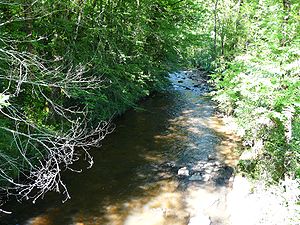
(134, 179)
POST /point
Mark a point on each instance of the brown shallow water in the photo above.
(134, 179)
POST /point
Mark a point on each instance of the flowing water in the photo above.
(135, 180)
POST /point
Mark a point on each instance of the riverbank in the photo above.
(256, 203)
(253, 201)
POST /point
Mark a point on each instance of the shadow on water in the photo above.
(134, 179)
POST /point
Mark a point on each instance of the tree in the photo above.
(66, 65)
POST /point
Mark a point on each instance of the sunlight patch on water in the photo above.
(172, 136)
(166, 208)
(40, 220)
(161, 205)
(206, 203)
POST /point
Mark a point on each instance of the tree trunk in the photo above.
(287, 9)
(215, 28)
(79, 17)
(28, 15)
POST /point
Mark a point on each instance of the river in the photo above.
(135, 180)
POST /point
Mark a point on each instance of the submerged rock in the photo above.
(211, 157)
(169, 164)
(196, 177)
(183, 172)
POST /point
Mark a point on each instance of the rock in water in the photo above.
(183, 172)
(196, 177)
(211, 157)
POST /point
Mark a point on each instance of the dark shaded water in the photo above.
(134, 179)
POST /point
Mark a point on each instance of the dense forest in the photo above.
(67, 68)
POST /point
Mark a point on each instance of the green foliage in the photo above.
(257, 81)
(294, 157)
(4, 100)
(100, 57)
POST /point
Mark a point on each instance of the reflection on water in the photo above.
(134, 180)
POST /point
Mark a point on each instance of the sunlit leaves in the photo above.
(258, 81)
(4, 100)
